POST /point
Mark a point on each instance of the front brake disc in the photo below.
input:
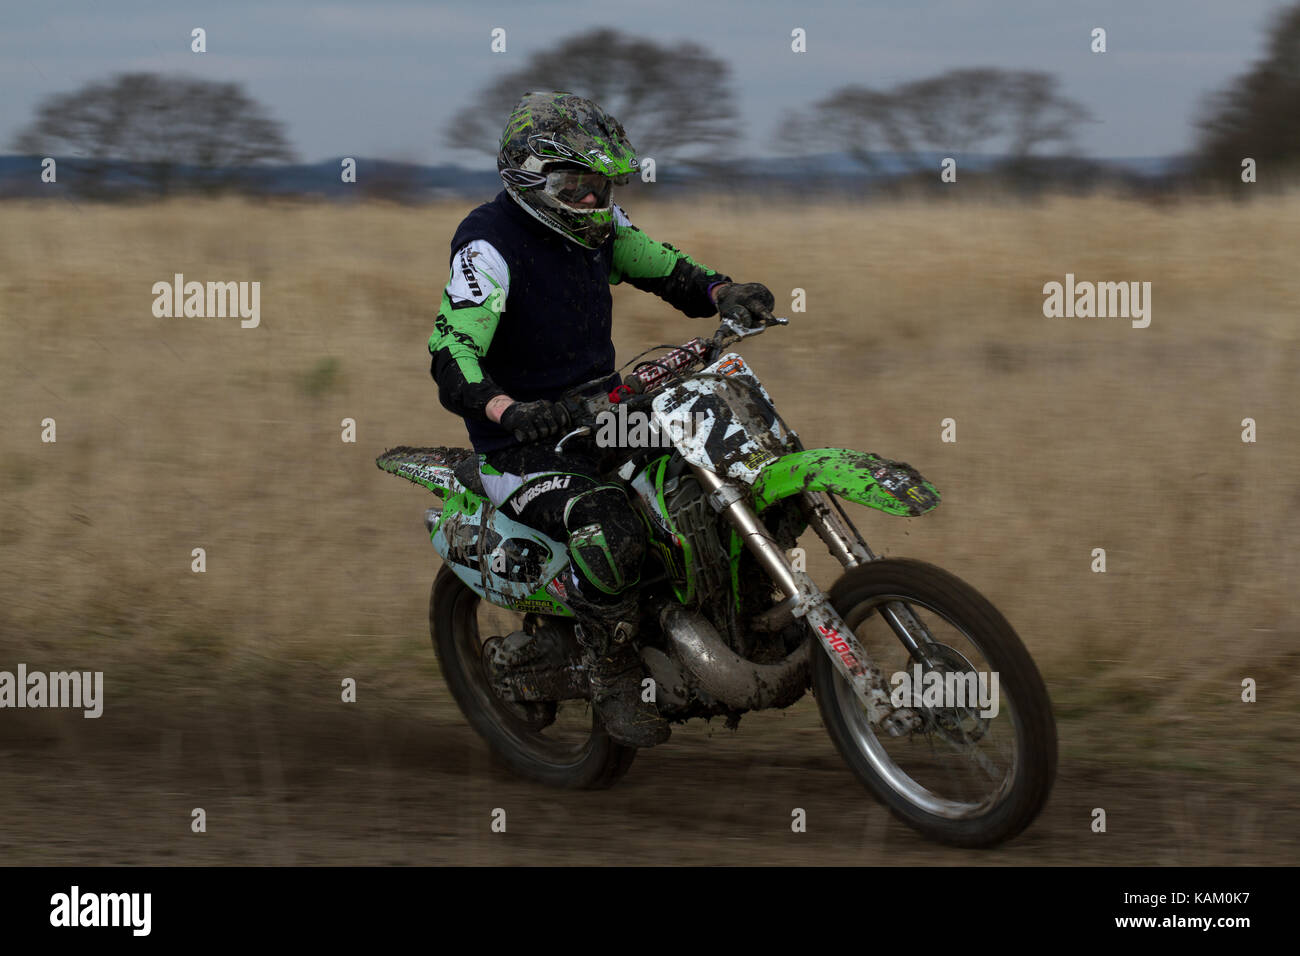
(960, 726)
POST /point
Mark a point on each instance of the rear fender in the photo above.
(434, 468)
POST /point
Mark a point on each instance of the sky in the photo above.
(384, 79)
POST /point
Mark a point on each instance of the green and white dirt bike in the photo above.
(897, 652)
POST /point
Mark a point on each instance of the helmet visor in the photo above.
(580, 190)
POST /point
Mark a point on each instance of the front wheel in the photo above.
(979, 767)
(572, 751)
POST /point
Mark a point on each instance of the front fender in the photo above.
(893, 487)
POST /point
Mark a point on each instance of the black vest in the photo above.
(555, 331)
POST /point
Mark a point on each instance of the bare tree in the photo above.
(1256, 115)
(960, 111)
(957, 111)
(860, 121)
(1038, 115)
(674, 99)
(169, 124)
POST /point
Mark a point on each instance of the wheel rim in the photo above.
(565, 743)
(972, 767)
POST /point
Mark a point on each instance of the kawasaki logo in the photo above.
(520, 501)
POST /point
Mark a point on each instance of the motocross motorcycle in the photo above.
(925, 689)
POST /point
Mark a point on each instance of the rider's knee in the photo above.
(606, 538)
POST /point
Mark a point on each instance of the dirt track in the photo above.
(353, 784)
(222, 687)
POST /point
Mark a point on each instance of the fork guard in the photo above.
(893, 487)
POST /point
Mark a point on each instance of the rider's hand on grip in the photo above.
(574, 410)
(533, 421)
(748, 304)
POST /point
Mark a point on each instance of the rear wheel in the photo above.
(572, 752)
(975, 773)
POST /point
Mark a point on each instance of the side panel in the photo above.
(508, 564)
(672, 548)
(893, 487)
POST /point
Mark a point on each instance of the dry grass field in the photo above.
(222, 688)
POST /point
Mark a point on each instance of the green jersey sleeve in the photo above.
(662, 269)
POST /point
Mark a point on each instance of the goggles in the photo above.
(572, 187)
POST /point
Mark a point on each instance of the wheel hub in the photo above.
(960, 726)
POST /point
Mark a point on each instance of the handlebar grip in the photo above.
(638, 401)
(574, 408)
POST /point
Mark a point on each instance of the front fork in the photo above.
(851, 551)
(804, 599)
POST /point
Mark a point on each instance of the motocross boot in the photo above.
(535, 665)
(613, 665)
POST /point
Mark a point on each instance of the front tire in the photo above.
(940, 780)
(577, 759)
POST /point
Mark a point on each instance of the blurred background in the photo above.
(800, 148)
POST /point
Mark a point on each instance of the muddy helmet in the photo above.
(560, 157)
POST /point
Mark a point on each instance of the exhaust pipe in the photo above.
(724, 674)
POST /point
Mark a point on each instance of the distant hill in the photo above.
(20, 176)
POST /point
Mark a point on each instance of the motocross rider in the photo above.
(526, 317)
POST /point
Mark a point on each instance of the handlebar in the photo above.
(729, 331)
(584, 410)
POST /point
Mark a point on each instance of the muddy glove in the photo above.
(748, 304)
(533, 421)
